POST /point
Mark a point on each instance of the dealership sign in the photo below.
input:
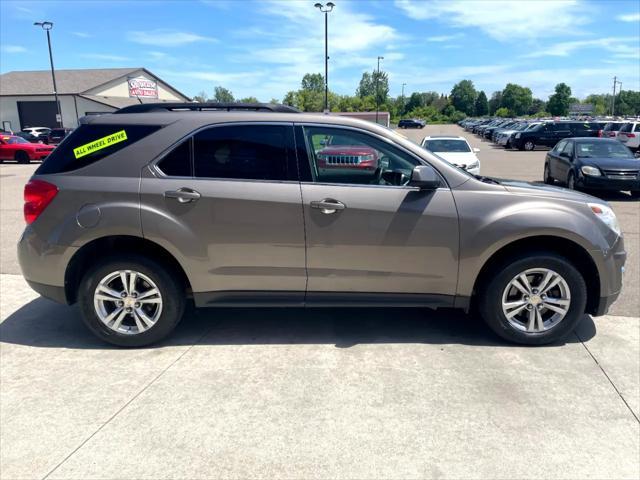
(142, 87)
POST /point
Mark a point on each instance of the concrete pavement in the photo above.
(325, 393)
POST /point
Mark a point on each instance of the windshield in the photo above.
(14, 140)
(534, 127)
(447, 145)
(612, 149)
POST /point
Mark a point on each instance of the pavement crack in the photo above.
(607, 377)
(142, 390)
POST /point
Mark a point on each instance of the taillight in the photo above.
(631, 135)
(599, 133)
(37, 195)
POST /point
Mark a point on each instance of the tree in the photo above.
(274, 101)
(375, 84)
(628, 103)
(365, 87)
(537, 105)
(503, 112)
(222, 95)
(495, 103)
(559, 102)
(516, 98)
(200, 97)
(482, 104)
(313, 82)
(463, 96)
(249, 100)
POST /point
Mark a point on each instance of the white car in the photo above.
(455, 150)
(629, 134)
(38, 132)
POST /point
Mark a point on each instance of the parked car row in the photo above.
(530, 134)
(584, 155)
(46, 135)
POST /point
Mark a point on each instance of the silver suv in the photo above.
(138, 211)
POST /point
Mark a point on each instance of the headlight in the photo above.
(606, 215)
(593, 171)
(517, 135)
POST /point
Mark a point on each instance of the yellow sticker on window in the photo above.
(99, 144)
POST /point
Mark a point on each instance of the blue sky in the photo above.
(263, 48)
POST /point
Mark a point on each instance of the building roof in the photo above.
(38, 82)
(120, 102)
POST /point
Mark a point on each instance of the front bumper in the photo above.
(611, 270)
(606, 183)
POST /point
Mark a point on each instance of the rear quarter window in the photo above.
(88, 144)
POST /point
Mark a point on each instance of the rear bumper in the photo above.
(57, 294)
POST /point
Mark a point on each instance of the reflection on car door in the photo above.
(236, 213)
(368, 238)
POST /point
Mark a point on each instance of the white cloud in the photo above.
(166, 38)
(622, 47)
(444, 38)
(13, 49)
(81, 34)
(500, 19)
(104, 57)
(629, 17)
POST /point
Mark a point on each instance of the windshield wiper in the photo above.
(487, 179)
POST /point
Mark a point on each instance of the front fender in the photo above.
(493, 221)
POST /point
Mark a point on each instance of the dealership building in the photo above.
(27, 100)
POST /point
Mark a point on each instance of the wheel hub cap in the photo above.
(127, 302)
(536, 300)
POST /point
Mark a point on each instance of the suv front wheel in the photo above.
(535, 300)
(130, 301)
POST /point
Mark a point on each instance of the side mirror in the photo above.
(424, 177)
(476, 150)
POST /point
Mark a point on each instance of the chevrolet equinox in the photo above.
(258, 205)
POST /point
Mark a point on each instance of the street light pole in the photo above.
(47, 26)
(326, 9)
(377, 89)
(403, 102)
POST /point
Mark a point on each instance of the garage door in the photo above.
(37, 114)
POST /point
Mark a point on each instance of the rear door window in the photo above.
(91, 143)
(626, 127)
(245, 152)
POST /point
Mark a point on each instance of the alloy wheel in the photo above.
(127, 302)
(536, 300)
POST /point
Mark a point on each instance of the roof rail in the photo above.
(172, 107)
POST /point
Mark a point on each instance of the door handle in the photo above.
(183, 195)
(328, 205)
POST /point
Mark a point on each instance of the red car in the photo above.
(22, 151)
(341, 153)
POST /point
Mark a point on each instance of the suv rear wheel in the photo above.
(535, 300)
(130, 301)
(529, 145)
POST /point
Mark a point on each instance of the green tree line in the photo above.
(463, 100)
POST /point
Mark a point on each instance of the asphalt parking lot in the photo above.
(326, 393)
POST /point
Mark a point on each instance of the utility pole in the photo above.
(403, 85)
(326, 9)
(377, 89)
(613, 99)
(47, 26)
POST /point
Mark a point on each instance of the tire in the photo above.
(548, 179)
(507, 145)
(22, 157)
(171, 305)
(491, 299)
(571, 181)
(529, 145)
